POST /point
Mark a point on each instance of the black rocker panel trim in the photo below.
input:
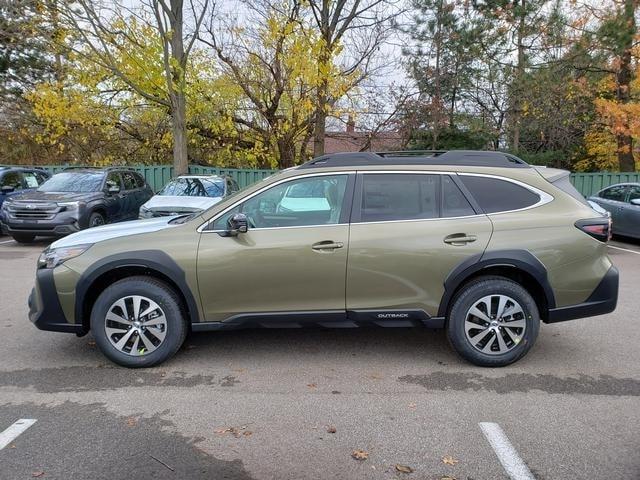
(151, 259)
(325, 319)
(519, 259)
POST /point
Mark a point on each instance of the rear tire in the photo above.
(137, 322)
(493, 322)
(23, 237)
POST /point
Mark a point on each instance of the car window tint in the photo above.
(139, 180)
(454, 203)
(129, 181)
(41, 177)
(616, 193)
(302, 202)
(634, 192)
(12, 179)
(30, 179)
(399, 197)
(495, 195)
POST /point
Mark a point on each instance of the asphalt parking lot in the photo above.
(293, 404)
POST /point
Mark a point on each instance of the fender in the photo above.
(152, 259)
(520, 259)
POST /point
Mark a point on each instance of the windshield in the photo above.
(194, 187)
(76, 182)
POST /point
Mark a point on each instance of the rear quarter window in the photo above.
(496, 195)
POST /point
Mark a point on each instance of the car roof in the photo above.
(204, 176)
(622, 184)
(22, 169)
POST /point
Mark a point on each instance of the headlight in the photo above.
(52, 257)
(70, 205)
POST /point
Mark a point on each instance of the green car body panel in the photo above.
(348, 268)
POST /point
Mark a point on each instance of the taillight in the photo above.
(598, 228)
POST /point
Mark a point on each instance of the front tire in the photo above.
(493, 322)
(23, 237)
(96, 219)
(137, 322)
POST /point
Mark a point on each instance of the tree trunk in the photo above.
(623, 81)
(287, 151)
(320, 127)
(518, 80)
(179, 127)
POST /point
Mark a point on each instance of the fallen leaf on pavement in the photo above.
(131, 422)
(412, 406)
(12, 446)
(449, 460)
(331, 429)
(360, 454)
(248, 433)
(91, 343)
(312, 385)
(235, 431)
(37, 474)
(447, 478)
(404, 468)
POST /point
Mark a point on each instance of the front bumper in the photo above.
(603, 300)
(45, 311)
(62, 223)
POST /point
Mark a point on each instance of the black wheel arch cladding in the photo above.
(154, 260)
(522, 260)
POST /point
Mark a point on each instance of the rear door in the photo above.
(408, 231)
(131, 196)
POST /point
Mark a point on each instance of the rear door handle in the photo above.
(327, 245)
(459, 239)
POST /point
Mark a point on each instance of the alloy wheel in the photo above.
(135, 325)
(495, 324)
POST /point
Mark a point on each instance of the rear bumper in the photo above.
(603, 300)
(45, 311)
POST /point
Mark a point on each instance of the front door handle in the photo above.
(327, 245)
(459, 239)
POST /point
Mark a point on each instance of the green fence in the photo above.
(590, 183)
(158, 175)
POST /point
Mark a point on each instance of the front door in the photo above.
(290, 264)
(408, 232)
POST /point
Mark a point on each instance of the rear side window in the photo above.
(617, 193)
(496, 195)
(454, 203)
(399, 197)
(634, 193)
(565, 185)
(139, 180)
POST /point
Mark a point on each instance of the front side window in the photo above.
(634, 193)
(113, 180)
(391, 196)
(617, 193)
(302, 202)
(496, 195)
(78, 182)
(129, 181)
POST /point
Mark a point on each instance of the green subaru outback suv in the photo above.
(479, 243)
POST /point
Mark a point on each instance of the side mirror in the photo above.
(238, 223)
(8, 189)
(635, 201)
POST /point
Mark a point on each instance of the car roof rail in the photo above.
(480, 158)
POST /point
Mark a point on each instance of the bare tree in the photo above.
(94, 25)
(362, 24)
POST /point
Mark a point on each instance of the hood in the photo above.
(180, 203)
(107, 232)
(37, 196)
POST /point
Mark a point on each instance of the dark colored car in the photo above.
(623, 202)
(16, 180)
(74, 200)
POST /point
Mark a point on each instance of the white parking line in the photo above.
(11, 433)
(7, 241)
(624, 249)
(509, 458)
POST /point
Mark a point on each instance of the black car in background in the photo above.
(16, 180)
(74, 200)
